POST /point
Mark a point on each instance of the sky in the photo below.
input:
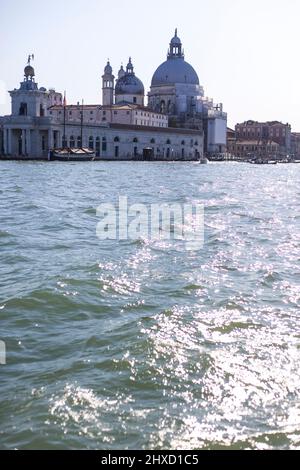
(246, 53)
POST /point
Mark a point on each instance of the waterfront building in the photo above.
(295, 144)
(245, 149)
(178, 122)
(266, 131)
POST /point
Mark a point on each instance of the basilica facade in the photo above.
(177, 123)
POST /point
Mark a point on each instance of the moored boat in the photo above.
(72, 155)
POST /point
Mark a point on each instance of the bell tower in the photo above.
(108, 85)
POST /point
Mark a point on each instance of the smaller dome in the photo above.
(108, 69)
(129, 68)
(29, 71)
(121, 72)
(175, 41)
(129, 84)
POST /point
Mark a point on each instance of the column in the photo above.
(50, 139)
(9, 142)
(23, 142)
(28, 143)
(5, 141)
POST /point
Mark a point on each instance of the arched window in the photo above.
(91, 143)
(162, 106)
(104, 144)
(79, 143)
(72, 142)
(196, 143)
(116, 139)
(135, 140)
(152, 141)
(168, 142)
(23, 109)
(183, 142)
(98, 147)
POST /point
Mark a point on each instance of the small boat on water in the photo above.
(72, 155)
(203, 161)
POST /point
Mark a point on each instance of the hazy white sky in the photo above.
(246, 53)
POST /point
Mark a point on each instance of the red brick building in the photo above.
(271, 131)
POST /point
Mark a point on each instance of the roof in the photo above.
(258, 123)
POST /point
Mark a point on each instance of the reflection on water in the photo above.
(142, 344)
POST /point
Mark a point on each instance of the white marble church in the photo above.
(177, 124)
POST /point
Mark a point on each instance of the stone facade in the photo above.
(40, 119)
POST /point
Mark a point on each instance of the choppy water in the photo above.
(132, 345)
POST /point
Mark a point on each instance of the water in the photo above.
(142, 344)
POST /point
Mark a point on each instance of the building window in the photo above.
(72, 142)
(98, 147)
(91, 143)
(116, 151)
(104, 144)
(115, 112)
(168, 142)
(134, 100)
(152, 141)
(116, 139)
(23, 109)
(79, 143)
(135, 151)
(104, 113)
(135, 140)
(183, 142)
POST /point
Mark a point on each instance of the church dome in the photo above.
(129, 84)
(29, 71)
(173, 71)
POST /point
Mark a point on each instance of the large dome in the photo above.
(175, 70)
